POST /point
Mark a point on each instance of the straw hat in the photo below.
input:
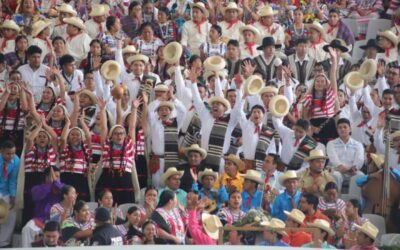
(207, 172)
(137, 57)
(369, 229)
(267, 11)
(161, 88)
(169, 105)
(10, 24)
(288, 175)
(222, 74)
(66, 8)
(236, 160)
(268, 89)
(214, 63)
(253, 175)
(232, 6)
(253, 85)
(75, 21)
(220, 100)
(99, 10)
(368, 69)
(322, 224)
(395, 134)
(195, 148)
(211, 224)
(110, 70)
(279, 106)
(39, 26)
(378, 159)
(253, 29)
(90, 94)
(315, 154)
(170, 172)
(4, 211)
(201, 6)
(390, 36)
(172, 52)
(354, 80)
(318, 27)
(130, 49)
(275, 225)
(296, 215)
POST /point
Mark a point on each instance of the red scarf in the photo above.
(69, 37)
(4, 44)
(250, 47)
(230, 24)
(198, 25)
(332, 28)
(47, 42)
(257, 129)
(267, 27)
(387, 51)
(362, 124)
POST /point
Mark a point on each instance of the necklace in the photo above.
(301, 30)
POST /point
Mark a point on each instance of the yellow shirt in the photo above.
(307, 181)
(230, 182)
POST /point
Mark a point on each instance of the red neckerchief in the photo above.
(4, 44)
(167, 122)
(248, 201)
(267, 27)
(194, 168)
(250, 47)
(257, 129)
(313, 45)
(230, 24)
(46, 40)
(198, 25)
(332, 28)
(362, 124)
(296, 142)
(5, 169)
(69, 37)
(60, 24)
(387, 51)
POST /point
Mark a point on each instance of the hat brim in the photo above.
(202, 174)
(75, 23)
(288, 214)
(274, 101)
(277, 46)
(283, 179)
(317, 28)
(361, 229)
(239, 10)
(166, 175)
(221, 100)
(392, 38)
(379, 49)
(90, 94)
(213, 234)
(37, 32)
(138, 57)
(203, 9)
(326, 229)
(201, 151)
(239, 163)
(307, 159)
(336, 46)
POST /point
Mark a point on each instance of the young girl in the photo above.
(149, 203)
(18, 57)
(75, 152)
(131, 228)
(57, 119)
(95, 52)
(118, 172)
(215, 47)
(168, 30)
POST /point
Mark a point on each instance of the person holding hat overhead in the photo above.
(59, 27)
(251, 195)
(267, 61)
(388, 41)
(337, 29)
(317, 36)
(231, 177)
(290, 198)
(372, 51)
(77, 41)
(251, 37)
(366, 237)
(96, 26)
(274, 231)
(344, 65)
(321, 235)
(195, 31)
(194, 155)
(231, 24)
(10, 30)
(266, 25)
(295, 219)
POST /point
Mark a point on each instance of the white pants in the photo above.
(7, 228)
(29, 233)
(157, 176)
(340, 178)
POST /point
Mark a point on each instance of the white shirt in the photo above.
(274, 180)
(245, 51)
(36, 80)
(233, 32)
(10, 46)
(279, 34)
(59, 29)
(380, 148)
(93, 28)
(192, 38)
(79, 46)
(318, 53)
(358, 127)
(73, 82)
(348, 154)
(157, 128)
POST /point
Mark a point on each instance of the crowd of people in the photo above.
(261, 109)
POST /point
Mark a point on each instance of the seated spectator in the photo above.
(172, 180)
(337, 29)
(309, 206)
(251, 195)
(195, 155)
(149, 203)
(105, 234)
(215, 47)
(149, 228)
(320, 236)
(231, 178)
(105, 199)
(366, 236)
(274, 231)
(232, 213)
(295, 219)
(51, 236)
(329, 203)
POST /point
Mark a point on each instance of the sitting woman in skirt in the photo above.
(319, 104)
(75, 152)
(118, 172)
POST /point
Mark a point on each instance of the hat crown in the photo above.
(232, 5)
(268, 41)
(370, 229)
(253, 173)
(317, 153)
(276, 224)
(298, 214)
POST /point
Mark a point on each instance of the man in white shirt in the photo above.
(73, 78)
(317, 37)
(77, 42)
(34, 73)
(346, 155)
(267, 27)
(231, 24)
(96, 26)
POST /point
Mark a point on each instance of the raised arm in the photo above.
(86, 131)
(4, 98)
(218, 86)
(103, 120)
(334, 58)
(53, 135)
(198, 103)
(182, 92)
(32, 106)
(133, 117)
(64, 135)
(75, 111)
(145, 110)
(22, 98)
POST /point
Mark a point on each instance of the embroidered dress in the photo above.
(70, 226)
(170, 221)
(167, 32)
(148, 48)
(210, 49)
(228, 217)
(12, 125)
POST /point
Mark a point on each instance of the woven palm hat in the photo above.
(66, 8)
(10, 24)
(369, 229)
(99, 10)
(279, 106)
(368, 69)
(75, 21)
(253, 175)
(214, 63)
(322, 224)
(170, 172)
(195, 148)
(110, 70)
(207, 172)
(296, 215)
(211, 225)
(137, 57)
(39, 26)
(315, 154)
(172, 52)
(232, 6)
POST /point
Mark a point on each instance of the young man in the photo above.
(73, 78)
(321, 236)
(309, 206)
(251, 195)
(78, 41)
(372, 51)
(51, 236)
(231, 24)
(267, 27)
(301, 64)
(366, 236)
(59, 27)
(274, 233)
(172, 181)
(290, 198)
(388, 41)
(231, 177)
(195, 31)
(233, 58)
(9, 168)
(105, 234)
(337, 29)
(295, 219)
(195, 155)
(346, 155)
(271, 177)
(267, 61)
(317, 37)
(251, 37)
(314, 178)
(96, 26)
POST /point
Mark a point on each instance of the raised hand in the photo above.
(101, 102)
(145, 97)
(136, 103)
(194, 175)
(248, 68)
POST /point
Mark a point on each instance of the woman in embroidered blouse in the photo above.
(27, 14)
(95, 52)
(167, 30)
(61, 211)
(106, 200)
(98, 128)
(319, 103)
(149, 203)
(147, 43)
(118, 171)
(79, 227)
(215, 47)
(232, 213)
(149, 229)
(296, 30)
(170, 226)
(113, 34)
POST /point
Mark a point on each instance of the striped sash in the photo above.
(216, 142)
(235, 136)
(171, 144)
(270, 124)
(266, 135)
(306, 145)
(267, 70)
(233, 68)
(192, 134)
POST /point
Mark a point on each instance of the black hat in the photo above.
(268, 41)
(102, 214)
(336, 44)
(372, 43)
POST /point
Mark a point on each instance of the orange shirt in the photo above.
(297, 239)
(317, 215)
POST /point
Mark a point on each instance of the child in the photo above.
(251, 37)
(215, 47)
(9, 31)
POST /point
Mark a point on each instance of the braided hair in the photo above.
(314, 96)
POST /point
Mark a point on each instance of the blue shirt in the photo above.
(222, 194)
(282, 202)
(279, 243)
(360, 181)
(8, 184)
(325, 245)
(255, 202)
